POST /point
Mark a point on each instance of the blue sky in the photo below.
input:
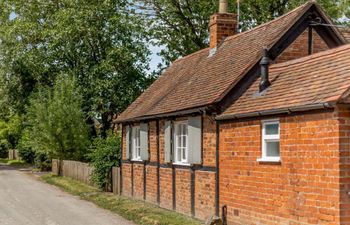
(155, 59)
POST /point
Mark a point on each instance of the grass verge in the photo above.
(136, 211)
(13, 162)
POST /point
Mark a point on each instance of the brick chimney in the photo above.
(222, 25)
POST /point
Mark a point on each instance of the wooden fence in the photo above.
(82, 172)
(13, 155)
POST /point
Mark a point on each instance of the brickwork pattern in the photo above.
(209, 141)
(138, 181)
(303, 189)
(204, 194)
(151, 184)
(166, 195)
(183, 191)
(299, 48)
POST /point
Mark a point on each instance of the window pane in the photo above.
(178, 141)
(178, 158)
(184, 154)
(184, 141)
(272, 149)
(271, 128)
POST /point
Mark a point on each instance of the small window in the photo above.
(270, 141)
(136, 150)
(181, 142)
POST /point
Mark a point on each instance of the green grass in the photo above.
(136, 211)
(13, 162)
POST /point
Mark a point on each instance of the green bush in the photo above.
(25, 152)
(3, 149)
(27, 155)
(105, 154)
(42, 161)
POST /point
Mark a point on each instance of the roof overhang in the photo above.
(289, 110)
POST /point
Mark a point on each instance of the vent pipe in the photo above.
(223, 6)
(264, 64)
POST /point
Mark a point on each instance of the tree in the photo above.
(56, 123)
(97, 42)
(181, 26)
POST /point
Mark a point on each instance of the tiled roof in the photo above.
(346, 33)
(320, 78)
(198, 80)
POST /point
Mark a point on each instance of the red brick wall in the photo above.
(138, 181)
(151, 184)
(344, 154)
(204, 195)
(166, 194)
(126, 179)
(303, 189)
(183, 191)
(299, 48)
(209, 141)
(309, 186)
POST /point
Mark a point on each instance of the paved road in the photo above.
(27, 201)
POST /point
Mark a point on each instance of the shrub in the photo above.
(25, 152)
(105, 154)
(4, 147)
(42, 161)
(27, 155)
(10, 133)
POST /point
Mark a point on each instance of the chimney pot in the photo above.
(223, 6)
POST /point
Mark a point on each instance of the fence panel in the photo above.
(13, 154)
(116, 180)
(82, 172)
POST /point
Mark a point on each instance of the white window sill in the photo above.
(136, 160)
(272, 160)
(181, 164)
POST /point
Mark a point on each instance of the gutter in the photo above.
(277, 111)
(160, 116)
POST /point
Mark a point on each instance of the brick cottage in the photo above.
(258, 124)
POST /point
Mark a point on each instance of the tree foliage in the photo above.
(10, 134)
(181, 26)
(97, 42)
(56, 123)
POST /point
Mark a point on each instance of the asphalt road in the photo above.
(24, 200)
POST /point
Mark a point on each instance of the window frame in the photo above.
(175, 138)
(269, 138)
(135, 149)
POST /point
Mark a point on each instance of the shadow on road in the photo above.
(19, 168)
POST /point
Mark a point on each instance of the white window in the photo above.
(270, 141)
(136, 150)
(181, 142)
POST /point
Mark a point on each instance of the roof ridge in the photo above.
(247, 31)
(271, 21)
(311, 57)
